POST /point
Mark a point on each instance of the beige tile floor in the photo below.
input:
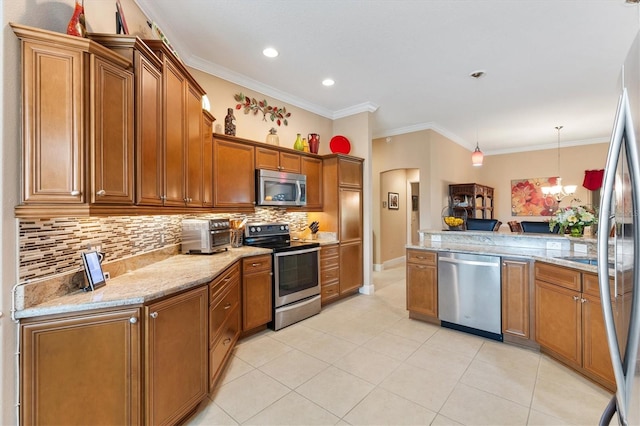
(362, 361)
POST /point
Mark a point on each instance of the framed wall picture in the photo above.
(393, 201)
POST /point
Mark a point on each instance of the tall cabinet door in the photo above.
(149, 146)
(53, 127)
(350, 214)
(207, 159)
(81, 369)
(194, 156)
(174, 134)
(176, 356)
(112, 136)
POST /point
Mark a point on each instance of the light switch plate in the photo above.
(580, 248)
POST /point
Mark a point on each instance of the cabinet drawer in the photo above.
(591, 286)
(223, 346)
(329, 275)
(222, 309)
(329, 292)
(565, 277)
(222, 281)
(329, 251)
(255, 264)
(328, 263)
(422, 257)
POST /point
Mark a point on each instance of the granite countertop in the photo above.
(524, 246)
(162, 278)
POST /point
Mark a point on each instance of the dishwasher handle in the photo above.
(468, 262)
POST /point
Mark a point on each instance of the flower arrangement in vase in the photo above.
(574, 219)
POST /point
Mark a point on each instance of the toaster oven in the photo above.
(205, 236)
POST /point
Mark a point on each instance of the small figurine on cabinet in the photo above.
(230, 123)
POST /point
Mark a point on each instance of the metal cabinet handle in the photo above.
(75, 192)
(153, 315)
(583, 300)
(226, 341)
(576, 298)
(227, 306)
(256, 264)
(101, 193)
(133, 320)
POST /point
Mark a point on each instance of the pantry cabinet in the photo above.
(176, 356)
(569, 322)
(82, 368)
(422, 284)
(77, 125)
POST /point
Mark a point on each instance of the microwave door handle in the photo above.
(299, 192)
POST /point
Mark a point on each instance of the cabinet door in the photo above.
(257, 292)
(112, 136)
(558, 321)
(207, 159)
(515, 298)
(233, 174)
(350, 214)
(174, 134)
(289, 162)
(596, 357)
(176, 356)
(267, 159)
(54, 124)
(149, 143)
(312, 169)
(350, 266)
(194, 157)
(349, 172)
(422, 289)
(82, 369)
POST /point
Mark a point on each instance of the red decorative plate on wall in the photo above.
(340, 145)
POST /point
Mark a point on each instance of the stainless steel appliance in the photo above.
(296, 272)
(618, 241)
(469, 293)
(205, 236)
(280, 188)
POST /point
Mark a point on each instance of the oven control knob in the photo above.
(258, 229)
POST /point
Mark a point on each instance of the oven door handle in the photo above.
(293, 253)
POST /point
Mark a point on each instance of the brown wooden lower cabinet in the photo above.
(329, 272)
(422, 283)
(257, 288)
(351, 277)
(176, 358)
(569, 321)
(81, 369)
(516, 300)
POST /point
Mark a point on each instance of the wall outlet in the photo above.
(580, 248)
(107, 276)
(436, 238)
(554, 245)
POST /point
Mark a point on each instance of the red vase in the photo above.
(76, 26)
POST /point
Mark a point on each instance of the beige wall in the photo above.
(393, 234)
(499, 170)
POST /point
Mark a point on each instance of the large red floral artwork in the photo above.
(527, 198)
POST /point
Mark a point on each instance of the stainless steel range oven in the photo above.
(296, 276)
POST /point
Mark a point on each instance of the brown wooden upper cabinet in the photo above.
(77, 124)
(181, 130)
(271, 159)
(233, 173)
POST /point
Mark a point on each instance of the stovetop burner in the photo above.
(273, 236)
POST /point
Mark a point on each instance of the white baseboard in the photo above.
(377, 267)
(367, 289)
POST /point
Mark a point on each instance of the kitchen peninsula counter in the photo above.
(140, 286)
(513, 245)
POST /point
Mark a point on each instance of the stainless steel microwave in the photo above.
(280, 188)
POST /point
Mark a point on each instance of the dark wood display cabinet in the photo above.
(471, 200)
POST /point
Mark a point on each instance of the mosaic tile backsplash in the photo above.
(48, 247)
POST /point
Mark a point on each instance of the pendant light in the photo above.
(477, 157)
(557, 191)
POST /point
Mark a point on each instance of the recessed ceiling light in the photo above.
(270, 52)
(328, 82)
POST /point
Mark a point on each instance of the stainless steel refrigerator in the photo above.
(618, 242)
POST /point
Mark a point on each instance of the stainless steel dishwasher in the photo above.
(469, 293)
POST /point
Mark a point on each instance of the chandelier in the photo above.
(558, 191)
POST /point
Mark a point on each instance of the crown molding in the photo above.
(355, 109)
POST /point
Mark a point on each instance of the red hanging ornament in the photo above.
(76, 26)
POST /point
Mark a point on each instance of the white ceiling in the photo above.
(547, 62)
